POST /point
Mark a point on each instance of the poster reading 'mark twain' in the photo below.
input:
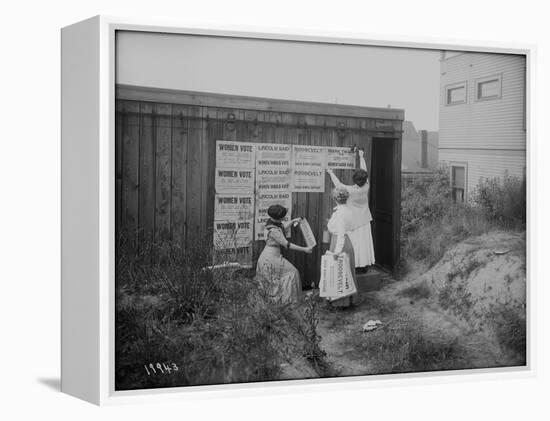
(340, 158)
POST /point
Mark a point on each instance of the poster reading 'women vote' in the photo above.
(235, 154)
(234, 180)
(308, 168)
(233, 206)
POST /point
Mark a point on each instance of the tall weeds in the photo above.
(431, 222)
(215, 325)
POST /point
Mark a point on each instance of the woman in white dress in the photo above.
(358, 202)
(340, 225)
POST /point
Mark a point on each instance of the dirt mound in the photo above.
(467, 311)
(478, 277)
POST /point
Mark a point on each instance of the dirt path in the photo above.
(345, 342)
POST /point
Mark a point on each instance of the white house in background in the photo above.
(482, 118)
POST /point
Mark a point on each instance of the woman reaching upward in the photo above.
(360, 234)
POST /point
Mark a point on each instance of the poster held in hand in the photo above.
(336, 277)
(307, 233)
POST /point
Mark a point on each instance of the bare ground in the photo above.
(443, 318)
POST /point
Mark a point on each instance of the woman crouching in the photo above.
(282, 278)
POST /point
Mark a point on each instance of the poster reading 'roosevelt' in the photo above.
(273, 167)
(308, 170)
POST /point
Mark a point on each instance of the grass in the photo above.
(405, 346)
(431, 223)
(417, 291)
(510, 328)
(215, 326)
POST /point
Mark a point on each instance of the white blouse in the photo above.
(340, 223)
(358, 200)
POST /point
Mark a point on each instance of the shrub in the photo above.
(502, 200)
(217, 326)
(511, 328)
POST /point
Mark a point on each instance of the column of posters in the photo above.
(234, 201)
(273, 167)
(273, 183)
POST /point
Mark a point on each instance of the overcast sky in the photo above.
(355, 75)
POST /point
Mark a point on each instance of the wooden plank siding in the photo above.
(165, 154)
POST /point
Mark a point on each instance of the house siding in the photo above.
(487, 135)
(483, 124)
(485, 164)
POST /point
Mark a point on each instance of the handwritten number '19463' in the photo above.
(159, 368)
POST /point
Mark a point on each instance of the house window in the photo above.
(458, 182)
(489, 88)
(456, 94)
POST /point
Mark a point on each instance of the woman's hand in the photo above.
(308, 250)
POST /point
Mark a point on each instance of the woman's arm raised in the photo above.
(335, 180)
(362, 162)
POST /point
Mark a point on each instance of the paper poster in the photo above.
(306, 156)
(336, 277)
(273, 155)
(340, 158)
(233, 206)
(235, 154)
(308, 169)
(263, 201)
(308, 180)
(273, 167)
(232, 234)
(307, 233)
(233, 257)
(234, 180)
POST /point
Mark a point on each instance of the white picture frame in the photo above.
(88, 97)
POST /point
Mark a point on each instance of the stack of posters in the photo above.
(234, 202)
(273, 183)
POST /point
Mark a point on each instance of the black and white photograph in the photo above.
(290, 210)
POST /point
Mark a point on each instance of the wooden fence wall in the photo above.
(165, 162)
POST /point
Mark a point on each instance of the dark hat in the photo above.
(276, 211)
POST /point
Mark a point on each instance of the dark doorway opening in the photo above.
(383, 197)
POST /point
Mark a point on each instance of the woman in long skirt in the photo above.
(358, 202)
(282, 278)
(340, 225)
